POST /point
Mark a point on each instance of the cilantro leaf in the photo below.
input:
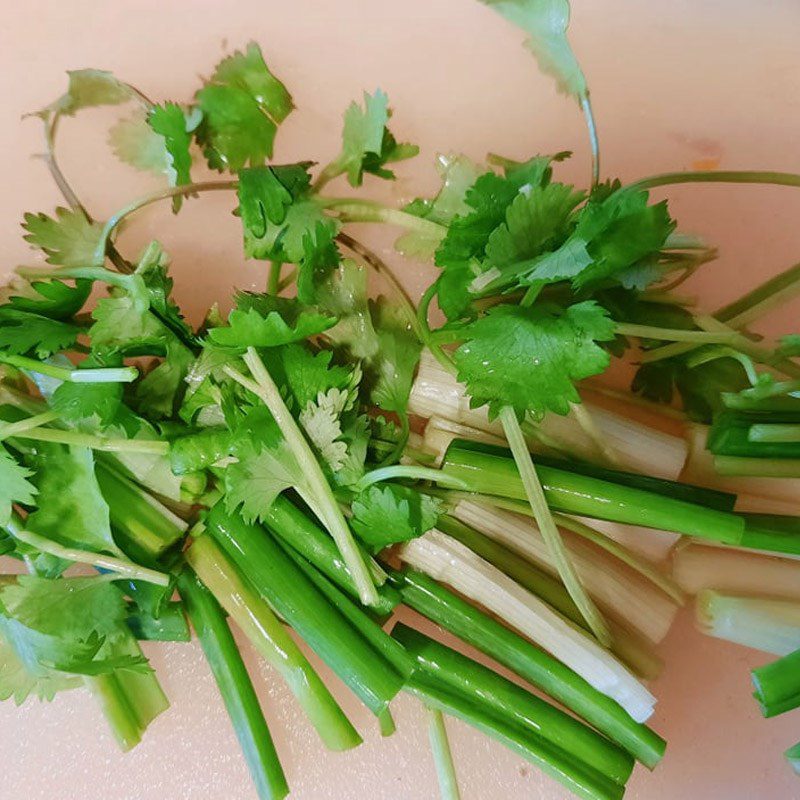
(265, 466)
(458, 173)
(320, 257)
(790, 345)
(158, 141)
(367, 144)
(391, 371)
(89, 88)
(281, 220)
(386, 514)
(123, 320)
(356, 434)
(307, 374)
(159, 390)
(68, 239)
(71, 508)
(545, 22)
(528, 358)
(14, 485)
(321, 421)
(51, 298)
(22, 332)
(242, 103)
(90, 405)
(51, 630)
(266, 321)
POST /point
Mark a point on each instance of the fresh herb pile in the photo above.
(318, 457)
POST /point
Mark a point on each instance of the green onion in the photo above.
(284, 586)
(763, 624)
(293, 527)
(757, 467)
(643, 605)
(442, 756)
(272, 641)
(777, 685)
(583, 781)
(235, 687)
(629, 648)
(696, 567)
(772, 533)
(445, 608)
(573, 493)
(510, 702)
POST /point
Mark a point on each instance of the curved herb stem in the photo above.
(593, 432)
(548, 528)
(350, 210)
(77, 273)
(270, 395)
(154, 197)
(719, 176)
(328, 173)
(50, 128)
(274, 279)
(101, 375)
(116, 565)
(76, 439)
(287, 280)
(28, 424)
(594, 144)
(442, 756)
(397, 450)
(411, 472)
(675, 334)
(427, 335)
(371, 259)
(640, 565)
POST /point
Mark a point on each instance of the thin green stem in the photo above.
(78, 439)
(328, 173)
(350, 210)
(27, 424)
(426, 334)
(547, 526)
(148, 199)
(274, 280)
(334, 520)
(675, 334)
(767, 432)
(287, 280)
(104, 375)
(757, 467)
(442, 756)
(116, 565)
(719, 176)
(77, 273)
(412, 472)
(594, 144)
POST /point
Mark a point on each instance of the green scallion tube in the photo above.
(169, 626)
(426, 596)
(777, 685)
(580, 779)
(293, 527)
(512, 703)
(236, 688)
(273, 641)
(774, 533)
(587, 496)
(284, 586)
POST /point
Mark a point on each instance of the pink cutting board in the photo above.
(689, 84)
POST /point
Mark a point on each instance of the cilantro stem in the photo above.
(425, 331)
(676, 334)
(372, 260)
(350, 210)
(104, 375)
(718, 176)
(28, 424)
(287, 280)
(762, 299)
(77, 439)
(594, 144)
(328, 173)
(332, 516)
(412, 472)
(164, 194)
(274, 280)
(116, 565)
(442, 755)
(88, 273)
(235, 687)
(547, 526)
